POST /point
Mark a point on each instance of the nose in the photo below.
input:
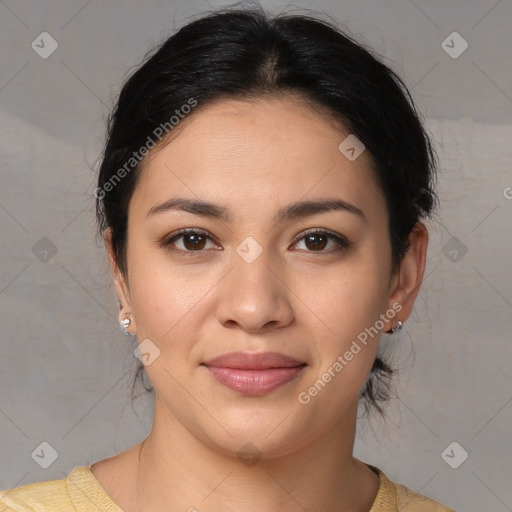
(254, 296)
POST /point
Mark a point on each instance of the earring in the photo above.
(397, 328)
(126, 323)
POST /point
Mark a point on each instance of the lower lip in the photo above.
(254, 382)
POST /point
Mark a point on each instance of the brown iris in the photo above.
(316, 245)
(196, 242)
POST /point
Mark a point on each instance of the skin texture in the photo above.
(254, 158)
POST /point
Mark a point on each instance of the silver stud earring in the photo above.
(397, 328)
(126, 323)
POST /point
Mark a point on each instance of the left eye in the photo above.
(318, 239)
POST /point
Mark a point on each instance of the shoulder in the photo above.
(394, 496)
(49, 496)
(409, 501)
(80, 491)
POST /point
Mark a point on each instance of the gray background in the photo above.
(66, 369)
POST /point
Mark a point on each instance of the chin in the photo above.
(263, 434)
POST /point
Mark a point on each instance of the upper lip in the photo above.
(254, 361)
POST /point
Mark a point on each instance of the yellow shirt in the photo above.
(81, 492)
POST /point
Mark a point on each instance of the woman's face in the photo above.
(256, 283)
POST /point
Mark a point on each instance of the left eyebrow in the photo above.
(292, 211)
(301, 209)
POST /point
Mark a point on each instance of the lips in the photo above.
(254, 374)
(258, 361)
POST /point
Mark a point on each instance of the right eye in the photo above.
(192, 240)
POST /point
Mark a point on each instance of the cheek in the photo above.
(166, 298)
(343, 308)
(349, 299)
(345, 344)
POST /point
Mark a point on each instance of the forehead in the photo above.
(254, 153)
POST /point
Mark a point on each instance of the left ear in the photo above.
(407, 281)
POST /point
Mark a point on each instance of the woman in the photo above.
(260, 197)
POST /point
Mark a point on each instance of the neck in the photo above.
(178, 471)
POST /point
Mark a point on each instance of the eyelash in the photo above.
(343, 242)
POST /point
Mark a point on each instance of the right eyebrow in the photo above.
(195, 206)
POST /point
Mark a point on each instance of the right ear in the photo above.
(122, 290)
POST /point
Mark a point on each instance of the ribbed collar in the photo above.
(385, 501)
(85, 490)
